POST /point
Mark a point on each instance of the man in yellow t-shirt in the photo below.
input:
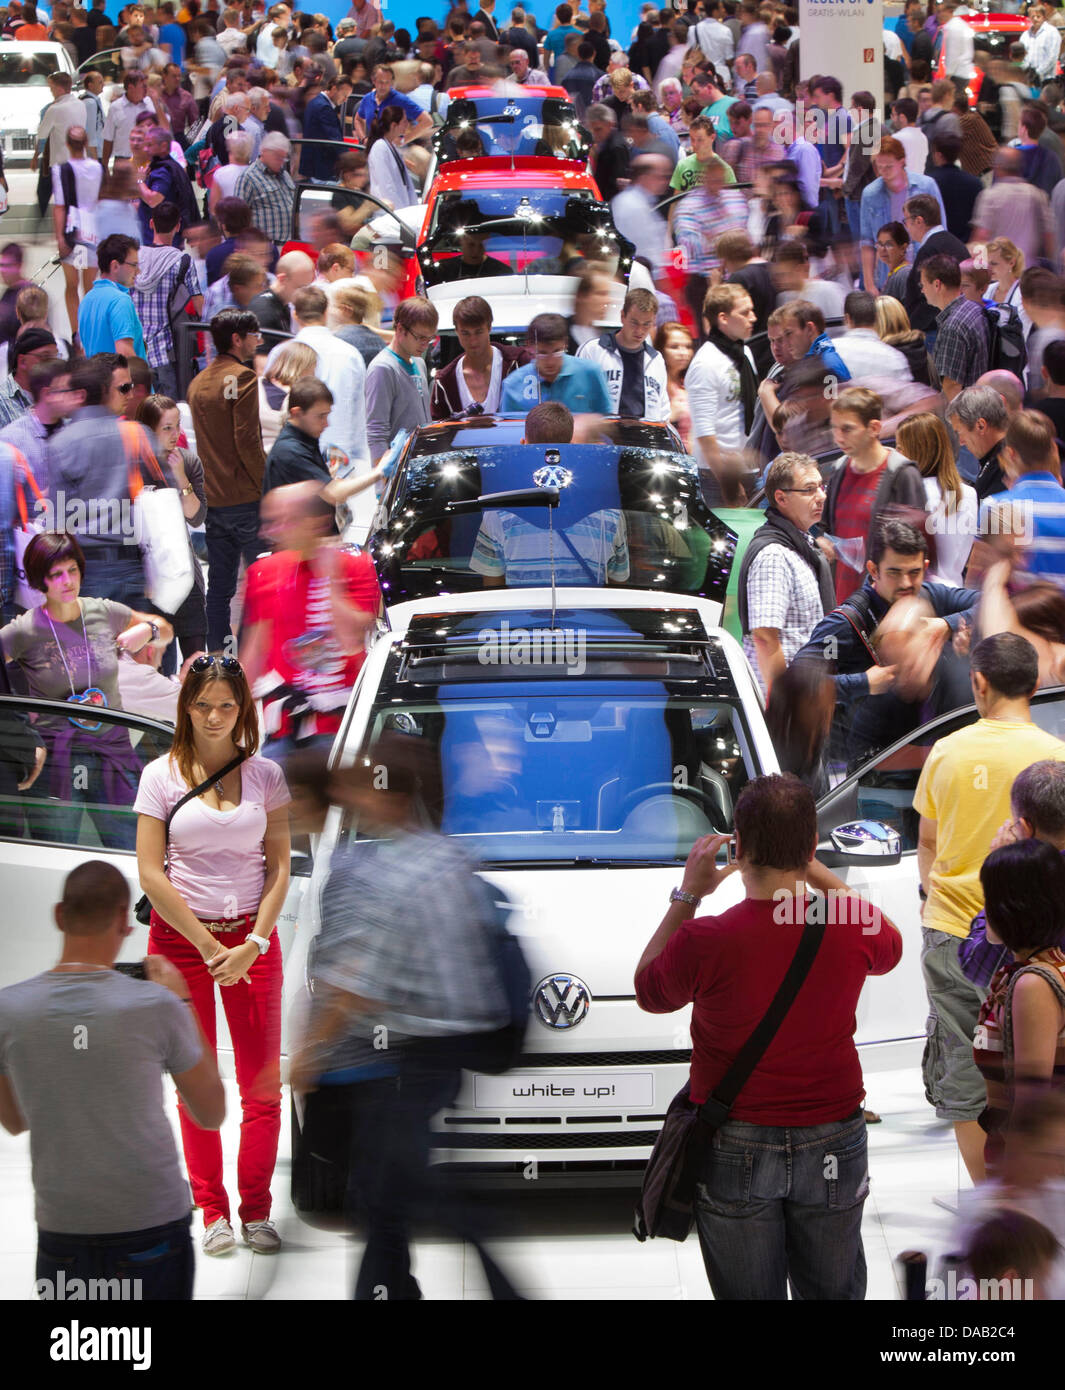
(963, 796)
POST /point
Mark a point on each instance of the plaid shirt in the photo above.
(700, 220)
(270, 197)
(782, 593)
(13, 401)
(961, 342)
(414, 922)
(151, 307)
(746, 158)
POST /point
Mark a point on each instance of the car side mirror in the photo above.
(861, 843)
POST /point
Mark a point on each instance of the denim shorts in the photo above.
(952, 1080)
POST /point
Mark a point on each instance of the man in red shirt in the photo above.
(781, 1194)
(870, 479)
(306, 612)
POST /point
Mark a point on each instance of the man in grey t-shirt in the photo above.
(82, 1052)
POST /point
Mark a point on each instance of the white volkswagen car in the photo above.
(24, 92)
(586, 735)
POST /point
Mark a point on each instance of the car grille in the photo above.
(633, 1138)
(675, 1057)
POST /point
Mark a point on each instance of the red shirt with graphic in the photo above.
(284, 592)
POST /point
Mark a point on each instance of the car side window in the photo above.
(886, 786)
(81, 794)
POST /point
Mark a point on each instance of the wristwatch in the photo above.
(262, 942)
(186, 490)
(680, 896)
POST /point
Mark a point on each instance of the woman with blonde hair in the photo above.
(893, 328)
(1005, 261)
(295, 360)
(951, 503)
(349, 304)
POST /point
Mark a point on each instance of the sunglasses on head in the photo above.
(229, 664)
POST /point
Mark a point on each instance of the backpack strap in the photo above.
(857, 612)
(138, 453)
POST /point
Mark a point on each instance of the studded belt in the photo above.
(240, 923)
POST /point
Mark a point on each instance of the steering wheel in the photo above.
(702, 799)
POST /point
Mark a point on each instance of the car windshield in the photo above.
(998, 41)
(538, 230)
(475, 433)
(561, 773)
(631, 517)
(490, 127)
(27, 69)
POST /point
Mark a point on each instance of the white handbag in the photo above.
(159, 527)
(159, 524)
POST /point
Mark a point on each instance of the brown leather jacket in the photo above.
(224, 400)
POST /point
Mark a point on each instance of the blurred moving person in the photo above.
(425, 980)
(307, 610)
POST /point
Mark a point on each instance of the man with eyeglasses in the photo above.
(107, 319)
(785, 585)
(397, 380)
(518, 62)
(554, 375)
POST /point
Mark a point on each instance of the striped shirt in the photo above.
(700, 220)
(993, 1037)
(1037, 503)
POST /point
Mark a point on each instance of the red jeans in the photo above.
(253, 1012)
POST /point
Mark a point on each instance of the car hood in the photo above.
(517, 299)
(594, 922)
(21, 109)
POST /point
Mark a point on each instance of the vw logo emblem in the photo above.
(561, 1001)
(553, 476)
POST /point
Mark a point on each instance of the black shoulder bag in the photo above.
(143, 909)
(667, 1199)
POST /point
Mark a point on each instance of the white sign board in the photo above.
(844, 39)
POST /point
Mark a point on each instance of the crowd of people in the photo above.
(852, 315)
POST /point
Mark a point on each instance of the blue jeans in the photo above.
(166, 382)
(780, 1205)
(232, 532)
(119, 576)
(393, 1184)
(155, 1265)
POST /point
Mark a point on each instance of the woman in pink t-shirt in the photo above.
(216, 888)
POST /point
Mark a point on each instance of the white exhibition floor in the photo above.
(561, 1245)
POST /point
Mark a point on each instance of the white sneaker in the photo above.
(218, 1239)
(262, 1237)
